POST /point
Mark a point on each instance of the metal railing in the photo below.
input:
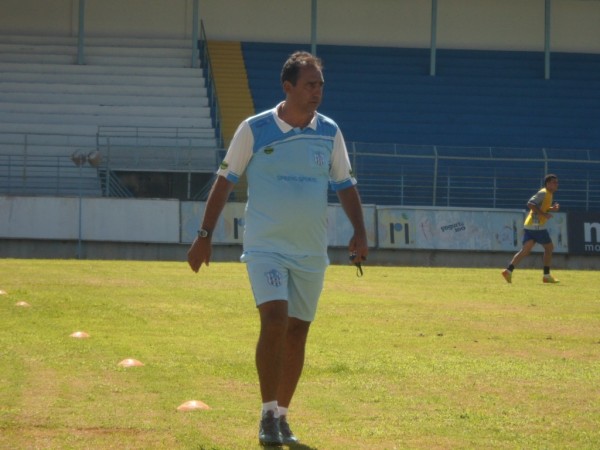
(211, 88)
(166, 149)
(388, 174)
(62, 164)
(483, 177)
(47, 175)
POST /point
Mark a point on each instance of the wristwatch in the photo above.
(202, 233)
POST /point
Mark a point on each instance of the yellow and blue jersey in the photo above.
(543, 200)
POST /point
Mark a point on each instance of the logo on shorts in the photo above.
(269, 150)
(273, 277)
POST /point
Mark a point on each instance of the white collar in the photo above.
(285, 127)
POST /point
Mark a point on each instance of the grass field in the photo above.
(403, 358)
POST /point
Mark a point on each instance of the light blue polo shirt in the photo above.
(289, 171)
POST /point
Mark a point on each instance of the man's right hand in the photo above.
(199, 252)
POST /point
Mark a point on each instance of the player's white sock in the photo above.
(271, 406)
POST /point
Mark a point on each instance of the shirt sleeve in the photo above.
(538, 198)
(341, 171)
(238, 154)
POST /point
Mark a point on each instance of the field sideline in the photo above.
(402, 358)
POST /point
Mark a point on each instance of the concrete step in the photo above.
(140, 158)
(106, 110)
(179, 137)
(102, 120)
(44, 150)
(138, 42)
(37, 40)
(163, 91)
(115, 150)
(44, 59)
(141, 61)
(105, 70)
(137, 52)
(18, 144)
(41, 132)
(70, 58)
(116, 50)
(131, 94)
(96, 41)
(33, 127)
(69, 149)
(102, 99)
(157, 132)
(100, 79)
(64, 140)
(149, 142)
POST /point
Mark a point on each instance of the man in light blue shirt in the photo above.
(291, 155)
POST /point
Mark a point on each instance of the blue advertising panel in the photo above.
(584, 233)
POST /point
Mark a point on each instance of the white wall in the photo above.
(52, 17)
(576, 26)
(469, 24)
(490, 24)
(170, 221)
(117, 18)
(102, 219)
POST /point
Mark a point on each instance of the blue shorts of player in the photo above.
(296, 279)
(540, 236)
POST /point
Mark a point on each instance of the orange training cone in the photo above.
(192, 405)
(129, 362)
(79, 335)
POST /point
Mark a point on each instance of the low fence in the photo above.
(143, 229)
(481, 177)
(388, 174)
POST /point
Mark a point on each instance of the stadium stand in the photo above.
(476, 98)
(235, 100)
(481, 132)
(488, 120)
(51, 107)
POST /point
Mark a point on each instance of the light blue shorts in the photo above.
(295, 279)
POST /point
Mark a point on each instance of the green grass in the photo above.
(406, 358)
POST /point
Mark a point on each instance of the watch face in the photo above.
(202, 233)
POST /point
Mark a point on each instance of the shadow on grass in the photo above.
(290, 446)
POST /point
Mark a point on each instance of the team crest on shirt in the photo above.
(319, 159)
(268, 150)
(224, 165)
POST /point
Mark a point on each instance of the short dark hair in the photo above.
(549, 177)
(297, 60)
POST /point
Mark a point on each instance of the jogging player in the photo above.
(535, 229)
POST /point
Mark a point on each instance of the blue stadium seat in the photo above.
(477, 99)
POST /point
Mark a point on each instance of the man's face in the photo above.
(308, 91)
(552, 185)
